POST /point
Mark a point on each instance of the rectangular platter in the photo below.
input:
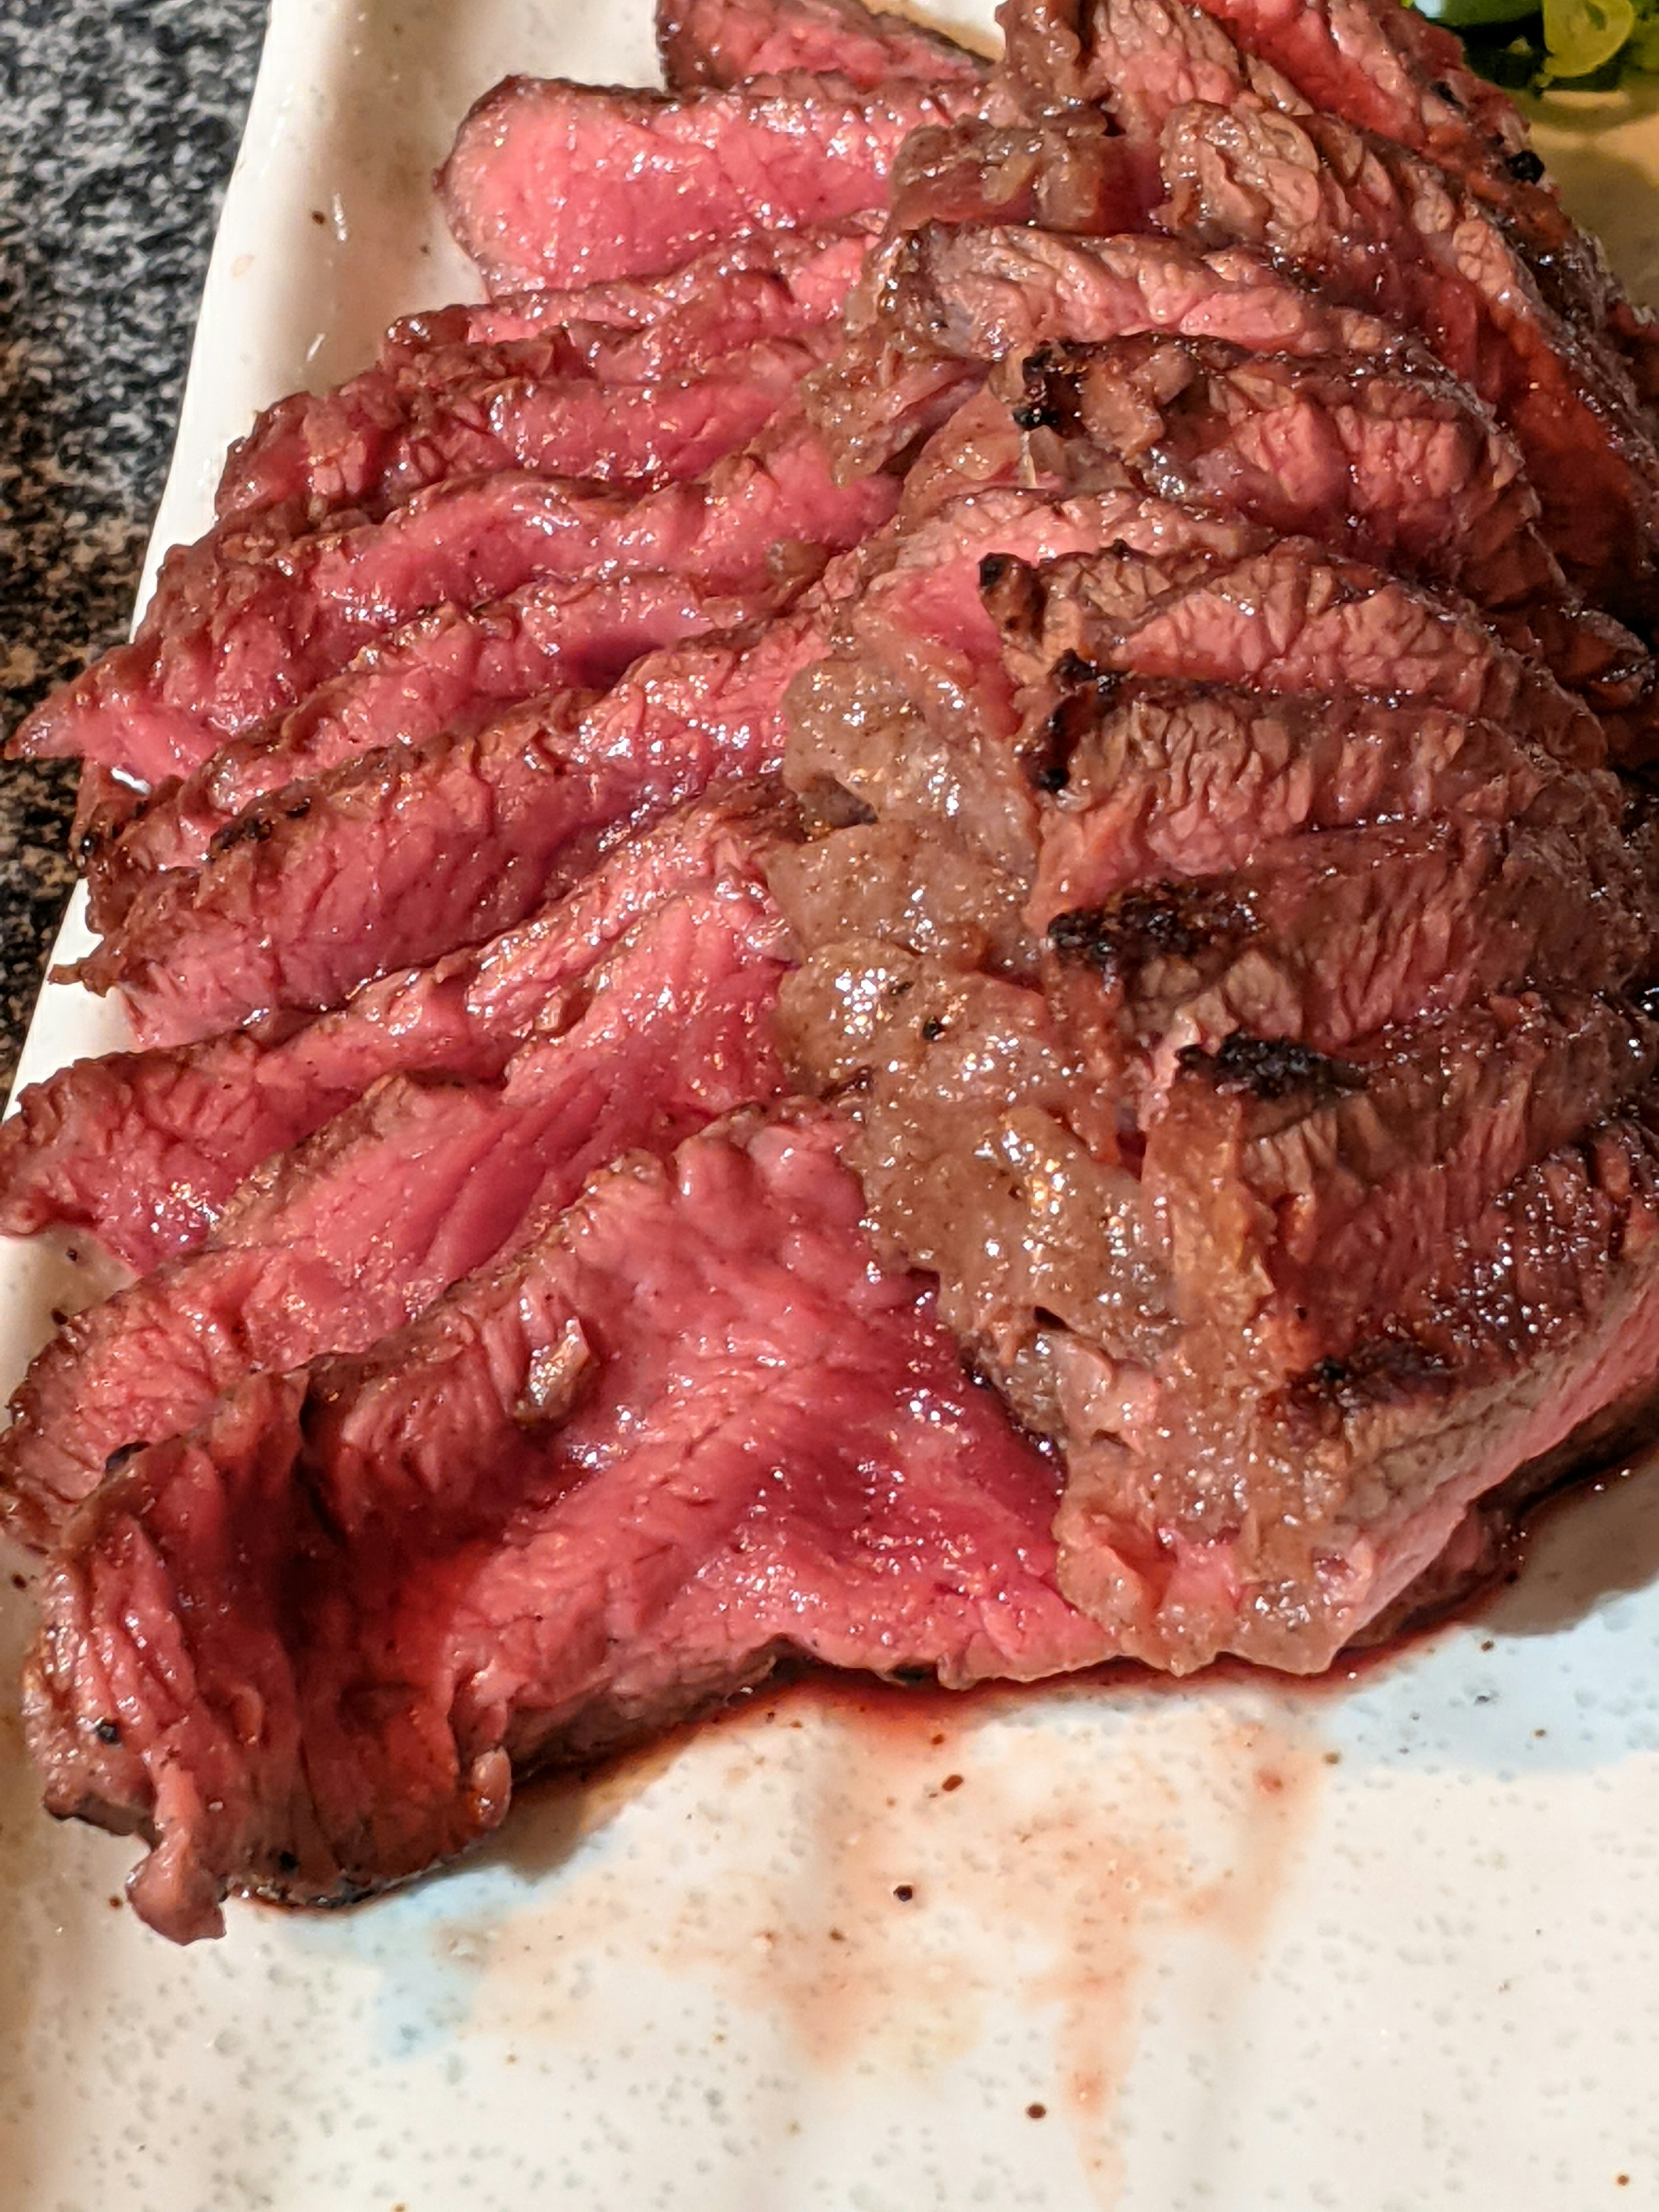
(1387, 1944)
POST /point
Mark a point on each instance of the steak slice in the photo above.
(144, 1150)
(372, 443)
(391, 860)
(1307, 1199)
(1275, 1527)
(765, 284)
(552, 183)
(1294, 618)
(1387, 69)
(328, 1247)
(1135, 59)
(449, 670)
(1392, 461)
(245, 640)
(588, 1526)
(1340, 932)
(1378, 227)
(727, 42)
(955, 298)
(1150, 780)
(1070, 173)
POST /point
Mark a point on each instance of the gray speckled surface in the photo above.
(118, 123)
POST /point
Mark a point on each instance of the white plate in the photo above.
(1389, 1946)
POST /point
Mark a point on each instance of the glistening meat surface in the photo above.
(691, 1429)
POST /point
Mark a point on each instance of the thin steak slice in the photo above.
(1152, 780)
(244, 640)
(1338, 932)
(449, 670)
(375, 441)
(1380, 228)
(725, 42)
(1294, 618)
(552, 183)
(392, 860)
(1275, 1525)
(144, 1150)
(593, 1526)
(328, 1247)
(1134, 59)
(765, 284)
(1068, 172)
(1393, 461)
(953, 298)
(1307, 1197)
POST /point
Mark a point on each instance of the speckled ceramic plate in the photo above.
(1387, 1945)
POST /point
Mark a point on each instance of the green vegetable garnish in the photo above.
(1583, 45)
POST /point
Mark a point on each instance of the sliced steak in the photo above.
(1309, 1198)
(374, 442)
(552, 183)
(1386, 69)
(726, 42)
(591, 1526)
(765, 284)
(394, 860)
(1392, 461)
(1340, 932)
(1144, 781)
(1276, 1527)
(328, 1247)
(953, 298)
(1069, 172)
(1295, 618)
(1135, 59)
(144, 1150)
(450, 670)
(1378, 227)
(245, 640)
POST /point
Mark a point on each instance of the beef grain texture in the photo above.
(328, 1247)
(536, 1523)
(144, 1150)
(552, 183)
(725, 42)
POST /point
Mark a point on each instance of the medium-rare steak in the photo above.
(552, 183)
(242, 639)
(950, 300)
(589, 1523)
(1152, 780)
(765, 284)
(1306, 1196)
(144, 1150)
(1294, 618)
(1378, 227)
(1132, 60)
(726, 42)
(1393, 461)
(328, 1247)
(373, 443)
(1070, 173)
(447, 671)
(391, 860)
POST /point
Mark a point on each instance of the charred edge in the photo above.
(1525, 166)
(1012, 592)
(1046, 759)
(119, 1458)
(1153, 921)
(1387, 1371)
(1049, 398)
(247, 829)
(1271, 1069)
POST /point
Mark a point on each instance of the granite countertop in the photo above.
(118, 123)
